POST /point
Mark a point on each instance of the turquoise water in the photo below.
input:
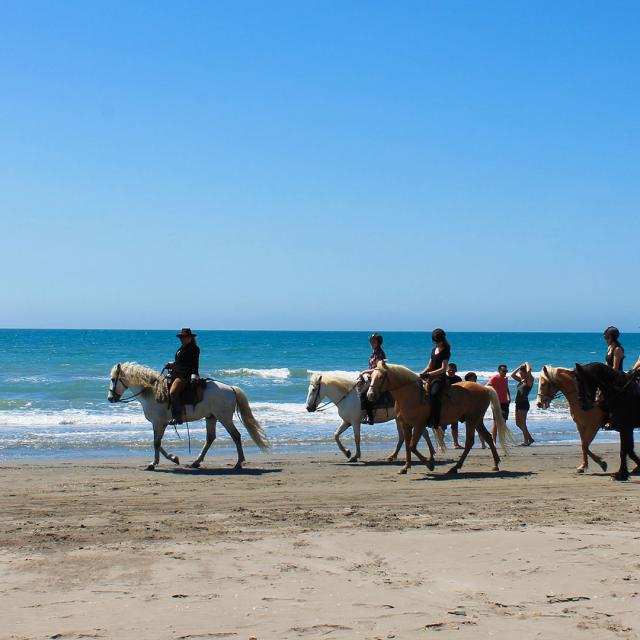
(53, 384)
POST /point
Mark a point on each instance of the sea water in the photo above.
(54, 383)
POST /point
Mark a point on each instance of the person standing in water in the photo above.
(500, 383)
(436, 372)
(377, 355)
(523, 376)
(453, 378)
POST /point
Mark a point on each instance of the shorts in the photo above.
(522, 406)
(505, 410)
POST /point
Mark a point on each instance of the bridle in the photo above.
(324, 406)
(546, 399)
(118, 396)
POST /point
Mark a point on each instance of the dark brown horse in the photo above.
(464, 402)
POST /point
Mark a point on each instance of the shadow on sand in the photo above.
(477, 475)
(387, 463)
(230, 471)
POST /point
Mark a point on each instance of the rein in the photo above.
(323, 407)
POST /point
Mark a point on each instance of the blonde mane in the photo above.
(344, 384)
(402, 374)
(137, 374)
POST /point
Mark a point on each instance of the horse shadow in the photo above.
(187, 471)
(389, 463)
(476, 475)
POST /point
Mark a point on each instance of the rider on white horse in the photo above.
(184, 370)
(378, 354)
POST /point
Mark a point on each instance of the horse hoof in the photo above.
(176, 460)
(151, 467)
(354, 459)
(580, 470)
(237, 466)
(431, 465)
(636, 471)
(347, 453)
(620, 477)
(403, 471)
(603, 465)
(495, 468)
(195, 465)
(453, 471)
(391, 458)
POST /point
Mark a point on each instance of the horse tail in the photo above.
(251, 424)
(505, 437)
(439, 434)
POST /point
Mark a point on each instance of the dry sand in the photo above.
(308, 546)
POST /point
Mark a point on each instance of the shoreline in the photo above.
(311, 546)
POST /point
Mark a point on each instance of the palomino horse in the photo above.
(219, 402)
(554, 380)
(465, 402)
(621, 393)
(344, 395)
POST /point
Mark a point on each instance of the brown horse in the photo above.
(463, 402)
(554, 380)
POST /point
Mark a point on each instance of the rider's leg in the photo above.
(177, 386)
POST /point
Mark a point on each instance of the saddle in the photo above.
(192, 394)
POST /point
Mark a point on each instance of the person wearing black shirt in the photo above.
(377, 355)
(436, 373)
(184, 369)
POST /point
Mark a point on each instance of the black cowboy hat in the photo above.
(185, 331)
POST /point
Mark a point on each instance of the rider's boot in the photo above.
(176, 411)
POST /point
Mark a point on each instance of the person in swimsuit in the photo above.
(615, 352)
(523, 376)
(472, 376)
(436, 373)
(500, 383)
(454, 378)
(377, 355)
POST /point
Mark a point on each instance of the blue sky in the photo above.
(320, 165)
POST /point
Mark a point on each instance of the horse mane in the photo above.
(403, 374)
(344, 384)
(137, 374)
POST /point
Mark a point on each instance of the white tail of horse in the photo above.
(251, 424)
(505, 437)
(439, 434)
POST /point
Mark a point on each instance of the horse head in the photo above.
(547, 391)
(314, 395)
(117, 386)
(587, 387)
(379, 380)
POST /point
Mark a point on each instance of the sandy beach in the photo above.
(308, 546)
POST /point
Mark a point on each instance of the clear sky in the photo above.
(320, 165)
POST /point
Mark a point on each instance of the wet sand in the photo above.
(309, 546)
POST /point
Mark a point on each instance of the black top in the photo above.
(609, 359)
(187, 361)
(376, 356)
(454, 379)
(522, 393)
(438, 358)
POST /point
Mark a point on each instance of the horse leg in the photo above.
(586, 438)
(623, 473)
(211, 436)
(356, 435)
(468, 444)
(392, 456)
(237, 440)
(432, 451)
(415, 438)
(406, 432)
(158, 434)
(484, 433)
(336, 436)
(633, 456)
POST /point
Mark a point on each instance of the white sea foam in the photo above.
(275, 374)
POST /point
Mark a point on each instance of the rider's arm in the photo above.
(636, 366)
(440, 371)
(426, 369)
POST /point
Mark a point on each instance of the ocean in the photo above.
(53, 383)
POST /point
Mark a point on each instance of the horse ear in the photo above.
(383, 364)
(544, 370)
(118, 368)
(578, 367)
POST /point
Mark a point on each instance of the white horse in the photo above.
(219, 402)
(343, 393)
